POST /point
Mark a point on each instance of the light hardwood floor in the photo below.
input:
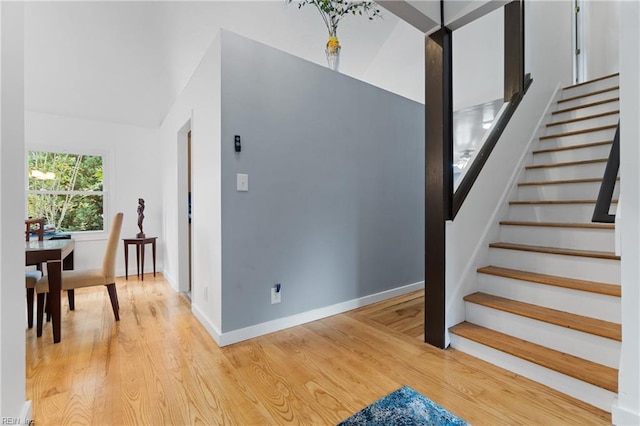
(159, 366)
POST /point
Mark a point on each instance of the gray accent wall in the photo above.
(335, 207)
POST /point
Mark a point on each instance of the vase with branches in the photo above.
(332, 12)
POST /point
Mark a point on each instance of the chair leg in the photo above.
(113, 295)
(47, 308)
(40, 316)
(71, 295)
(30, 292)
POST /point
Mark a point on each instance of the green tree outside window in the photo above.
(67, 190)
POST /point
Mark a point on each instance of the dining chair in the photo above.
(80, 279)
(32, 226)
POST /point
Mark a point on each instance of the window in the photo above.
(67, 190)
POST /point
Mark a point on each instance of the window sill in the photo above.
(89, 235)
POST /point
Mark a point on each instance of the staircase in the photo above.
(548, 304)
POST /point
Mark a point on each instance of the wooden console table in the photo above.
(139, 243)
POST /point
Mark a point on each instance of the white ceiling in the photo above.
(126, 62)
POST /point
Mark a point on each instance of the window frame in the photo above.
(107, 177)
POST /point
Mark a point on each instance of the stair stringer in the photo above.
(465, 283)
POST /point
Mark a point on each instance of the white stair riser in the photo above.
(585, 303)
(583, 345)
(584, 112)
(589, 99)
(580, 154)
(566, 191)
(573, 238)
(585, 268)
(593, 395)
(580, 213)
(581, 138)
(578, 171)
(591, 87)
(606, 120)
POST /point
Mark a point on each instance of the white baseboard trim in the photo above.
(171, 280)
(26, 414)
(623, 417)
(235, 336)
(208, 325)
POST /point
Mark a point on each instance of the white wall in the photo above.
(199, 104)
(12, 305)
(478, 61)
(459, 12)
(627, 409)
(601, 41)
(399, 65)
(548, 38)
(132, 170)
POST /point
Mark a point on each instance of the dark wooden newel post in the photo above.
(438, 178)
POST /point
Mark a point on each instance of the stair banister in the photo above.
(441, 202)
(605, 196)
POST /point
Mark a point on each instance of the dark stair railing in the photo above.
(605, 196)
(441, 203)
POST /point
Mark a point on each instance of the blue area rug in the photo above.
(403, 407)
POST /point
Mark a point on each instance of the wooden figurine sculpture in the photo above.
(140, 217)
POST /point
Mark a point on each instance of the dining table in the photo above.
(58, 255)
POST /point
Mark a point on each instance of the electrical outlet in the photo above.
(276, 293)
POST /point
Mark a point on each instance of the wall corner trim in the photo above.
(257, 330)
(620, 416)
(207, 324)
(26, 413)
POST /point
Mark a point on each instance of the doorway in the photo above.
(183, 217)
(578, 42)
(189, 232)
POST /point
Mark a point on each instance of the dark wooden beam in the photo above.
(513, 49)
(438, 178)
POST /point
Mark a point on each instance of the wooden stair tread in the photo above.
(606, 101)
(570, 147)
(559, 224)
(579, 132)
(578, 368)
(584, 83)
(597, 327)
(556, 250)
(586, 95)
(567, 163)
(589, 117)
(571, 283)
(561, 182)
(554, 202)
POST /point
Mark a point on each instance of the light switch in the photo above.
(242, 182)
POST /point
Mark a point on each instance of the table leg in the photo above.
(153, 245)
(54, 270)
(142, 258)
(126, 261)
(138, 260)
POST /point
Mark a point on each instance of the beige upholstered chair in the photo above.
(79, 279)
